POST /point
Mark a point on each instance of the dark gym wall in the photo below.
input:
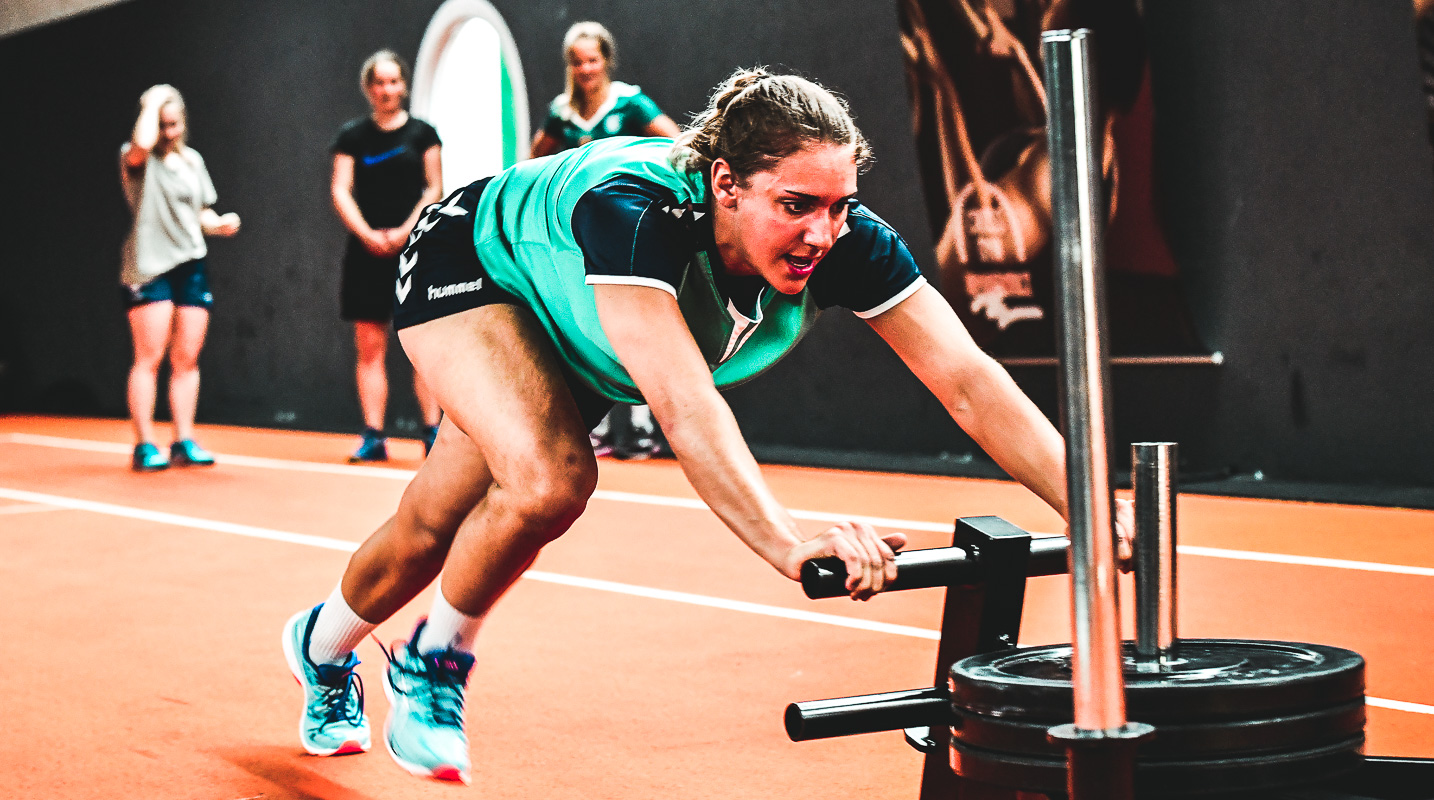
(268, 84)
(1298, 180)
(1293, 161)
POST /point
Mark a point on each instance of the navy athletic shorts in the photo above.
(185, 285)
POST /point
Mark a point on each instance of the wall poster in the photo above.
(974, 74)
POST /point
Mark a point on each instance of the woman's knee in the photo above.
(147, 361)
(371, 342)
(551, 500)
(182, 362)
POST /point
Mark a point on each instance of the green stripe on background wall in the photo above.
(511, 145)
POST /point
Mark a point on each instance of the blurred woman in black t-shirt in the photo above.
(387, 168)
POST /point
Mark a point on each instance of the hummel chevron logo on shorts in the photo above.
(435, 292)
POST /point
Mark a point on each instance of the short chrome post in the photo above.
(1155, 476)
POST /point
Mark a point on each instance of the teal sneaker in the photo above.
(333, 722)
(424, 730)
(185, 453)
(373, 446)
(147, 458)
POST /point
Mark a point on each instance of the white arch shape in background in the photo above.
(443, 30)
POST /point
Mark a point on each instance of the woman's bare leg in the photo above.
(371, 371)
(149, 326)
(190, 325)
(427, 402)
(510, 472)
(407, 552)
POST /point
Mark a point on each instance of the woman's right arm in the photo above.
(146, 127)
(543, 145)
(341, 189)
(651, 339)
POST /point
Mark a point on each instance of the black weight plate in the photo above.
(1196, 740)
(1169, 779)
(1213, 679)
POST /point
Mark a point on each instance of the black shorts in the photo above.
(438, 272)
(439, 275)
(366, 289)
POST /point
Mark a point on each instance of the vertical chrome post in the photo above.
(1078, 227)
(1155, 477)
(1100, 745)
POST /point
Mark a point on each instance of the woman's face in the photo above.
(171, 125)
(785, 220)
(387, 89)
(588, 65)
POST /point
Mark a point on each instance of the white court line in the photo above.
(1308, 561)
(165, 518)
(690, 503)
(549, 577)
(539, 575)
(407, 474)
(734, 605)
(26, 508)
(1399, 705)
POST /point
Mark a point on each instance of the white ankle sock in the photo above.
(338, 630)
(448, 628)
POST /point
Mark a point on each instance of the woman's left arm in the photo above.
(432, 193)
(926, 333)
(662, 125)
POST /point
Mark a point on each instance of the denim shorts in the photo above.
(185, 285)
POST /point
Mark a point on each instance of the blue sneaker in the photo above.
(333, 722)
(430, 434)
(424, 730)
(147, 458)
(373, 447)
(185, 453)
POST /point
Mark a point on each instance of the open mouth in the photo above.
(801, 266)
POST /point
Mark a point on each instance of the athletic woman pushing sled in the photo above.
(628, 270)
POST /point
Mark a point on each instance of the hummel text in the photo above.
(435, 292)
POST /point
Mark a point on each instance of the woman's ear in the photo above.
(724, 183)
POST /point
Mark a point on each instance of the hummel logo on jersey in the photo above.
(687, 212)
(453, 209)
(430, 217)
(436, 292)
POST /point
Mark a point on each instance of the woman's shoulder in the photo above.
(351, 135)
(622, 90)
(559, 108)
(420, 125)
(421, 133)
(356, 127)
(864, 222)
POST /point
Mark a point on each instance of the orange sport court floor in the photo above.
(647, 654)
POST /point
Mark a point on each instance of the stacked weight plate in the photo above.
(1230, 716)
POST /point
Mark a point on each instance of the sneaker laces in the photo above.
(447, 678)
(343, 700)
(442, 676)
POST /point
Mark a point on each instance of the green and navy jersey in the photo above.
(619, 212)
(626, 112)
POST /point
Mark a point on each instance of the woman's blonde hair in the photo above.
(606, 45)
(371, 65)
(755, 119)
(177, 100)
